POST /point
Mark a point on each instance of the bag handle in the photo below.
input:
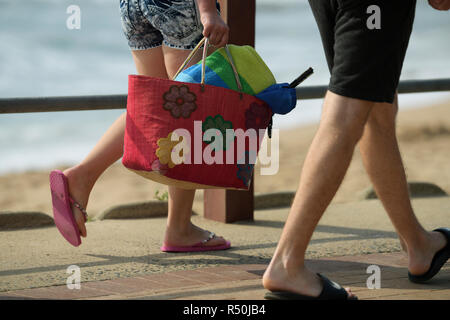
(205, 43)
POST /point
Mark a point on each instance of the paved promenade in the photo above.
(120, 259)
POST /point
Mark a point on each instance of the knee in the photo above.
(382, 118)
(346, 117)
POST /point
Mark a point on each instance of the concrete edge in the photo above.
(152, 209)
(138, 210)
(24, 219)
(416, 190)
(273, 200)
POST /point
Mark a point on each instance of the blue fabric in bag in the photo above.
(279, 97)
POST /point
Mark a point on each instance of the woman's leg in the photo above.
(109, 148)
(180, 231)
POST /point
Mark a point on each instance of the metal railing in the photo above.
(119, 101)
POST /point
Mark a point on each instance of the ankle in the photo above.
(420, 240)
(286, 265)
(280, 274)
(423, 245)
(83, 174)
(179, 230)
(80, 183)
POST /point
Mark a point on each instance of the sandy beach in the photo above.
(424, 138)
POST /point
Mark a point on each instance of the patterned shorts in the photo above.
(151, 23)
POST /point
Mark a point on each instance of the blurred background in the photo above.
(40, 56)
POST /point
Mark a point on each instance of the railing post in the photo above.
(231, 205)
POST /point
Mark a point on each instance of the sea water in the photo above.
(41, 56)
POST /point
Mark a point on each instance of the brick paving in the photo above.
(243, 282)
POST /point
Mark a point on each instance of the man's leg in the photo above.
(382, 160)
(326, 163)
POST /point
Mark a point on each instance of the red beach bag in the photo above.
(193, 135)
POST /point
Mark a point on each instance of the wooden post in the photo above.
(240, 17)
(231, 205)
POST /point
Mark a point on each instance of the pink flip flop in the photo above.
(198, 246)
(62, 211)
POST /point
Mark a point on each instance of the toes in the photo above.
(350, 293)
(79, 218)
(220, 240)
(217, 240)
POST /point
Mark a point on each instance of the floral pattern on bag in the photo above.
(180, 101)
(221, 125)
(167, 150)
(257, 116)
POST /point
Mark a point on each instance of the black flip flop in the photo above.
(331, 291)
(439, 259)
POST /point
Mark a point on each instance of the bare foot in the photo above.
(189, 236)
(304, 281)
(420, 259)
(79, 190)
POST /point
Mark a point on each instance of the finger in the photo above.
(214, 38)
(206, 31)
(221, 36)
(224, 40)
